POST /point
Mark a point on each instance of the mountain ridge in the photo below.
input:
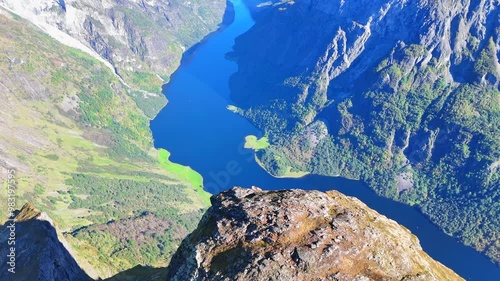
(41, 253)
(77, 135)
(136, 40)
(400, 94)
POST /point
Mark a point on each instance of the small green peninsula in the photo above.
(252, 142)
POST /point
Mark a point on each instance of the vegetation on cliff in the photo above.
(411, 107)
(79, 139)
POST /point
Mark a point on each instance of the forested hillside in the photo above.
(403, 95)
(78, 137)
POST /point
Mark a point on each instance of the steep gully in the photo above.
(199, 131)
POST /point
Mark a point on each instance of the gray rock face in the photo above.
(40, 255)
(249, 234)
(320, 50)
(134, 36)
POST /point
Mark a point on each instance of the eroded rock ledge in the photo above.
(250, 234)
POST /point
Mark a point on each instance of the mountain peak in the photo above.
(249, 234)
(27, 212)
(38, 252)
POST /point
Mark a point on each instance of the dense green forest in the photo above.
(405, 127)
(156, 218)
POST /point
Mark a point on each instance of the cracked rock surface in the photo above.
(249, 234)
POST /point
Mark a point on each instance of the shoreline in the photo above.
(227, 20)
(291, 175)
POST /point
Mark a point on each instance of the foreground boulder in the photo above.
(250, 234)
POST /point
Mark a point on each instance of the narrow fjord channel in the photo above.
(200, 132)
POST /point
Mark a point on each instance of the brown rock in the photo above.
(250, 234)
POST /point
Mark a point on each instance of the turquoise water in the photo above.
(200, 132)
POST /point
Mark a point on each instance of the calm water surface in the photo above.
(200, 132)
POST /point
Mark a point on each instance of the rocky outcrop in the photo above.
(38, 252)
(250, 234)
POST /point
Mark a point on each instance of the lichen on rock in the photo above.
(249, 234)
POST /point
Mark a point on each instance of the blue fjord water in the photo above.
(201, 133)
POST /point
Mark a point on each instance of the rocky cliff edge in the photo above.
(250, 234)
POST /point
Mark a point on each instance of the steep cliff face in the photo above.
(143, 40)
(39, 253)
(77, 136)
(325, 48)
(249, 234)
(401, 94)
